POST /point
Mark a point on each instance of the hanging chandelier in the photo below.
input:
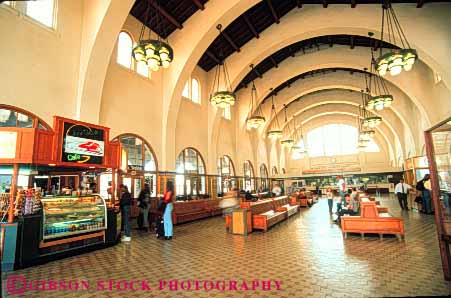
(362, 141)
(299, 150)
(154, 53)
(288, 141)
(376, 85)
(368, 121)
(395, 60)
(274, 132)
(254, 120)
(225, 97)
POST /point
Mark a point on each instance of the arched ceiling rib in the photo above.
(340, 99)
(386, 133)
(307, 46)
(402, 108)
(381, 137)
(255, 20)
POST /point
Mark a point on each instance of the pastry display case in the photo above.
(67, 216)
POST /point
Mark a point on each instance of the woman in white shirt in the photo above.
(330, 199)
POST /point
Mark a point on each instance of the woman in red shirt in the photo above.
(167, 216)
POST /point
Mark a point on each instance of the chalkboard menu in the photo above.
(83, 144)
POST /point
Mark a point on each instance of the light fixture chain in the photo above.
(382, 30)
(399, 29)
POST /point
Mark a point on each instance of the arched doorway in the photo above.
(190, 180)
(139, 166)
(226, 172)
(264, 181)
(249, 176)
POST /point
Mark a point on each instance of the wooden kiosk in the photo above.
(45, 220)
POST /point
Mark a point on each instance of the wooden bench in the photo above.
(196, 209)
(304, 199)
(284, 204)
(243, 204)
(372, 221)
(264, 215)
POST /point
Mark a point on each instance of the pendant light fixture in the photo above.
(362, 142)
(368, 122)
(288, 141)
(382, 97)
(395, 60)
(254, 120)
(364, 134)
(274, 132)
(299, 149)
(154, 53)
(221, 95)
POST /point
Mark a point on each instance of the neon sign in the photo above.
(83, 144)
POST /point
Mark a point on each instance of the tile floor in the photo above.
(307, 253)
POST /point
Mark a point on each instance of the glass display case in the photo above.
(66, 216)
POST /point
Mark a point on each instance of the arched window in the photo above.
(140, 158)
(124, 50)
(264, 183)
(332, 139)
(191, 90)
(249, 175)
(195, 91)
(226, 172)
(190, 178)
(274, 170)
(42, 11)
(14, 117)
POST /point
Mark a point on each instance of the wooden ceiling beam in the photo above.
(273, 61)
(257, 73)
(420, 3)
(213, 57)
(353, 4)
(230, 41)
(198, 4)
(251, 27)
(164, 13)
(352, 42)
(273, 11)
(331, 43)
(299, 3)
(325, 4)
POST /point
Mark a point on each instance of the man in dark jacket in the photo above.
(425, 194)
(125, 204)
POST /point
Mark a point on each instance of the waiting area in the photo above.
(202, 249)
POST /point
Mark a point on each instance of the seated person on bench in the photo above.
(352, 208)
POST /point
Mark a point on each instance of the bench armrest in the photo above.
(281, 209)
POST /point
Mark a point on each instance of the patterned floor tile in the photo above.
(307, 253)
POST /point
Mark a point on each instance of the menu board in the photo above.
(83, 144)
(8, 141)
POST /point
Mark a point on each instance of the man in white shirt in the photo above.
(401, 190)
(277, 190)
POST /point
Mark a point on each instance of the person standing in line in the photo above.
(341, 189)
(144, 206)
(402, 190)
(425, 194)
(330, 199)
(167, 216)
(125, 203)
